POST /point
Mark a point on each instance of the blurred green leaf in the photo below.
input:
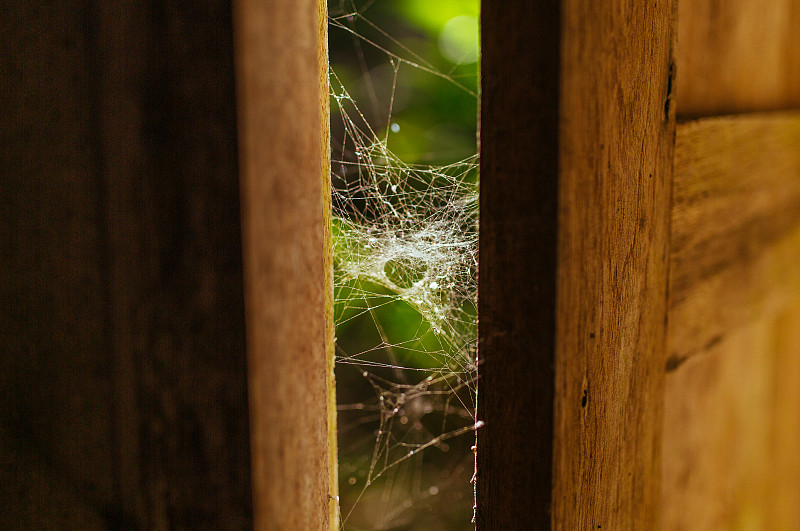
(433, 15)
(458, 40)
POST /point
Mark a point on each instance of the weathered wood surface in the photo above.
(737, 56)
(56, 419)
(732, 428)
(123, 386)
(735, 227)
(575, 211)
(615, 157)
(783, 472)
(282, 80)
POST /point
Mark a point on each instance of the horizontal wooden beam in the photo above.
(737, 56)
(735, 227)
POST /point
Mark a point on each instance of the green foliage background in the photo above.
(435, 122)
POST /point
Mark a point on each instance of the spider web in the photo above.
(405, 242)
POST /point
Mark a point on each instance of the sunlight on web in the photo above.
(405, 242)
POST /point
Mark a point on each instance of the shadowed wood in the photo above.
(735, 227)
(123, 398)
(737, 56)
(282, 88)
(56, 420)
(576, 158)
(518, 238)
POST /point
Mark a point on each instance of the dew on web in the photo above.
(405, 242)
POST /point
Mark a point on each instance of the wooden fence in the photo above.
(166, 366)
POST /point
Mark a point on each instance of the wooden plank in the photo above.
(576, 160)
(124, 399)
(334, 509)
(737, 56)
(518, 235)
(716, 435)
(56, 378)
(732, 430)
(735, 227)
(283, 97)
(616, 141)
(171, 217)
(782, 509)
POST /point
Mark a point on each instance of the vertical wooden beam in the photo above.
(56, 371)
(283, 97)
(576, 159)
(615, 185)
(170, 218)
(518, 244)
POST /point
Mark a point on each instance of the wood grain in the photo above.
(737, 56)
(334, 510)
(735, 227)
(716, 435)
(783, 472)
(282, 82)
(577, 124)
(56, 378)
(615, 157)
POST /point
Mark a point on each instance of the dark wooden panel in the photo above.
(518, 238)
(123, 382)
(55, 375)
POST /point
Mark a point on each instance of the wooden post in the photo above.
(518, 247)
(577, 129)
(281, 50)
